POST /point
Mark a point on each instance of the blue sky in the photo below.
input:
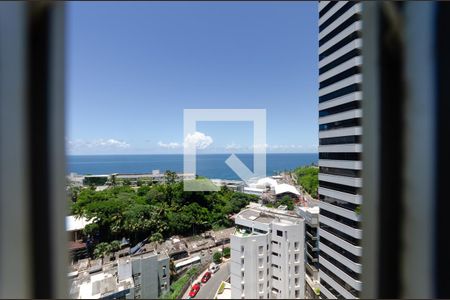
(134, 67)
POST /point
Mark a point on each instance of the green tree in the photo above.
(101, 250)
(308, 178)
(115, 245)
(226, 252)
(170, 177)
(286, 200)
(217, 257)
(157, 237)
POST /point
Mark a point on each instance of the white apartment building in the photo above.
(267, 255)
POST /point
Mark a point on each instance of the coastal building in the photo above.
(106, 179)
(74, 227)
(272, 188)
(144, 276)
(285, 189)
(235, 185)
(340, 148)
(311, 217)
(267, 257)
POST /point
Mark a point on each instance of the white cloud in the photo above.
(98, 144)
(198, 140)
(171, 145)
(260, 146)
(232, 146)
(111, 143)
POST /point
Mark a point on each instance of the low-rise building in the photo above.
(235, 185)
(143, 276)
(74, 227)
(311, 217)
(267, 258)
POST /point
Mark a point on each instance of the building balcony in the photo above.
(313, 248)
(356, 26)
(355, 199)
(351, 114)
(356, 130)
(355, 9)
(346, 213)
(355, 250)
(341, 148)
(345, 180)
(343, 164)
(353, 232)
(313, 237)
(355, 267)
(356, 284)
(313, 259)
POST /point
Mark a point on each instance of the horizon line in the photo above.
(237, 153)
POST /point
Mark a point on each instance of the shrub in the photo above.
(226, 252)
(217, 257)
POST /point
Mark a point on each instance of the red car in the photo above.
(194, 290)
(206, 277)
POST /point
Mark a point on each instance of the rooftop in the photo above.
(286, 188)
(95, 285)
(255, 215)
(74, 223)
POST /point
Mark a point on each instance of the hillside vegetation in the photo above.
(308, 178)
(156, 211)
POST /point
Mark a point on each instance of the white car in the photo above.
(214, 268)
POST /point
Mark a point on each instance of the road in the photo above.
(209, 289)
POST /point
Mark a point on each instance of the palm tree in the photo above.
(170, 177)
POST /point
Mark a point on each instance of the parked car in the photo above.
(214, 268)
(194, 290)
(206, 277)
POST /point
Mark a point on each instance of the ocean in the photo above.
(208, 165)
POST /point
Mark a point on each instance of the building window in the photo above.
(275, 277)
(296, 257)
(261, 287)
(242, 249)
(279, 233)
(261, 262)
(297, 293)
(242, 261)
(296, 270)
(261, 275)
(242, 274)
(261, 250)
(296, 281)
(164, 271)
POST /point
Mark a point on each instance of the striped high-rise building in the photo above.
(340, 183)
